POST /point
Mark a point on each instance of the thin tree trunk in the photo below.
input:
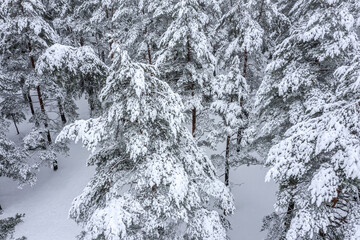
(61, 111)
(30, 103)
(42, 107)
(28, 93)
(192, 88)
(149, 53)
(193, 122)
(245, 63)
(239, 133)
(22, 84)
(17, 129)
(287, 222)
(91, 102)
(29, 100)
(227, 156)
(227, 165)
(32, 60)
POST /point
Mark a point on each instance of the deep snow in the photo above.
(46, 204)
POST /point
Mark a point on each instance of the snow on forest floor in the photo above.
(47, 203)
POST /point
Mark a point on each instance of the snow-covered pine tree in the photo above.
(88, 23)
(70, 73)
(241, 56)
(151, 180)
(139, 25)
(11, 105)
(25, 32)
(231, 90)
(7, 226)
(13, 160)
(311, 112)
(13, 165)
(186, 59)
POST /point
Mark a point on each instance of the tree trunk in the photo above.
(81, 41)
(261, 11)
(193, 122)
(149, 53)
(42, 107)
(240, 130)
(31, 57)
(28, 92)
(16, 127)
(227, 165)
(22, 84)
(245, 63)
(30, 103)
(192, 88)
(61, 111)
(288, 217)
(91, 101)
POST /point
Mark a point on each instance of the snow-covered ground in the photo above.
(46, 204)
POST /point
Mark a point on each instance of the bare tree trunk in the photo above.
(227, 156)
(42, 107)
(287, 222)
(32, 60)
(149, 53)
(22, 84)
(17, 129)
(245, 63)
(227, 164)
(240, 130)
(192, 88)
(193, 122)
(61, 111)
(30, 103)
(28, 92)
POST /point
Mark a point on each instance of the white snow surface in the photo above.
(47, 203)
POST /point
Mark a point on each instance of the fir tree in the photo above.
(70, 72)
(25, 32)
(314, 111)
(151, 181)
(13, 165)
(186, 58)
(7, 227)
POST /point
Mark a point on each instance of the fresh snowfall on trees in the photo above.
(174, 104)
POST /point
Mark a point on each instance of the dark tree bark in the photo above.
(227, 164)
(61, 111)
(30, 103)
(42, 107)
(192, 88)
(149, 53)
(240, 130)
(16, 127)
(288, 217)
(22, 84)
